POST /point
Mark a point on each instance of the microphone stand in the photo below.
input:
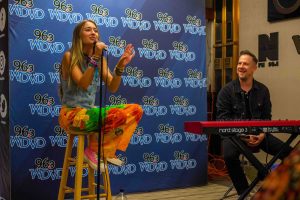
(99, 127)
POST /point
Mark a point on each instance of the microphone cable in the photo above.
(100, 152)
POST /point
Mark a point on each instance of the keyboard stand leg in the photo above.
(262, 170)
(249, 155)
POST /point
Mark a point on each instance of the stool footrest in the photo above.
(70, 159)
(70, 189)
(73, 163)
(92, 196)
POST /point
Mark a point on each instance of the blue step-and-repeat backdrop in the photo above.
(167, 77)
(4, 104)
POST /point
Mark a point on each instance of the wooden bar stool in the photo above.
(79, 163)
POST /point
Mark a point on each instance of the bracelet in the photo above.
(93, 63)
(95, 58)
(119, 71)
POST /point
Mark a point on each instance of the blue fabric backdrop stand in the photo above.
(4, 104)
(167, 77)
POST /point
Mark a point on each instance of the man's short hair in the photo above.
(249, 53)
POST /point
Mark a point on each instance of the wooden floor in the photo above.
(214, 190)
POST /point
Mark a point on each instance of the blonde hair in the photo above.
(77, 56)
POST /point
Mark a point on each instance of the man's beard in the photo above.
(243, 78)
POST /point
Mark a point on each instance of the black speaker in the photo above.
(283, 9)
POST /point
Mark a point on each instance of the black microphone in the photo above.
(94, 47)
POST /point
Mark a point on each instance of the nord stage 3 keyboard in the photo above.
(227, 128)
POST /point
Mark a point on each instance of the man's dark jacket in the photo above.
(231, 102)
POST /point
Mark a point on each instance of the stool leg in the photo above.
(106, 181)
(66, 164)
(79, 168)
(91, 181)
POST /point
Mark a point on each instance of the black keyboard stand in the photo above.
(263, 170)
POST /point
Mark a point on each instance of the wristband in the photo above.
(93, 63)
(119, 71)
(95, 58)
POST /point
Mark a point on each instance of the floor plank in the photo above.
(212, 191)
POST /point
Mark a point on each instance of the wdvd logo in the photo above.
(23, 72)
(116, 47)
(25, 138)
(45, 170)
(166, 79)
(152, 164)
(63, 13)
(151, 50)
(182, 107)
(152, 107)
(194, 26)
(195, 138)
(100, 15)
(60, 138)
(134, 20)
(195, 79)
(117, 100)
(140, 138)
(134, 78)
(181, 52)
(165, 23)
(26, 11)
(182, 161)
(44, 106)
(166, 134)
(125, 169)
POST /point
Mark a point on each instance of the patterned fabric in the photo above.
(283, 183)
(118, 124)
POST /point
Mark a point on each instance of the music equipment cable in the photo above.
(215, 165)
(101, 124)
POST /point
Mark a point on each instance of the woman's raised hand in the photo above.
(126, 57)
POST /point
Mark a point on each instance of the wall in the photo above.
(283, 80)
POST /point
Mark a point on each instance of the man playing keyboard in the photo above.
(246, 99)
